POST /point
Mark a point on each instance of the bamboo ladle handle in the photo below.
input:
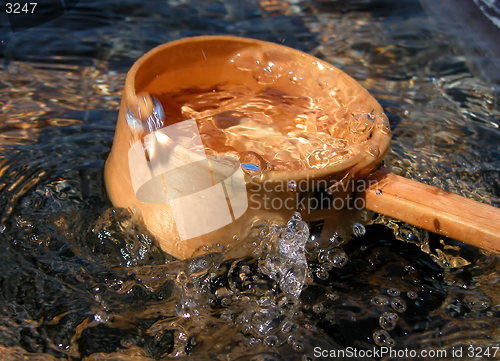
(434, 210)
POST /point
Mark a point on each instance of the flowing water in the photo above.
(83, 280)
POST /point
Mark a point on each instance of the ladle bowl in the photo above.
(203, 63)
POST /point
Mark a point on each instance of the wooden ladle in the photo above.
(203, 62)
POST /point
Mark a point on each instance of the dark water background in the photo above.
(80, 279)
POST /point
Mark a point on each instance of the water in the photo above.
(271, 129)
(82, 278)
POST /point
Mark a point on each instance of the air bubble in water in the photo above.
(398, 304)
(358, 230)
(388, 320)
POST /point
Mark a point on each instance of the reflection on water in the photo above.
(81, 278)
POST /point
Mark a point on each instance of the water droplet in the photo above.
(373, 150)
(366, 215)
(298, 346)
(398, 304)
(371, 116)
(287, 327)
(134, 124)
(326, 266)
(252, 163)
(388, 320)
(244, 61)
(378, 192)
(361, 109)
(271, 341)
(322, 274)
(382, 338)
(265, 301)
(318, 308)
(322, 256)
(181, 279)
(332, 296)
(318, 159)
(184, 308)
(246, 329)
(156, 119)
(263, 75)
(412, 295)
(379, 300)
(338, 238)
(295, 77)
(360, 124)
(338, 258)
(383, 124)
(292, 186)
(182, 336)
(358, 230)
(326, 81)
